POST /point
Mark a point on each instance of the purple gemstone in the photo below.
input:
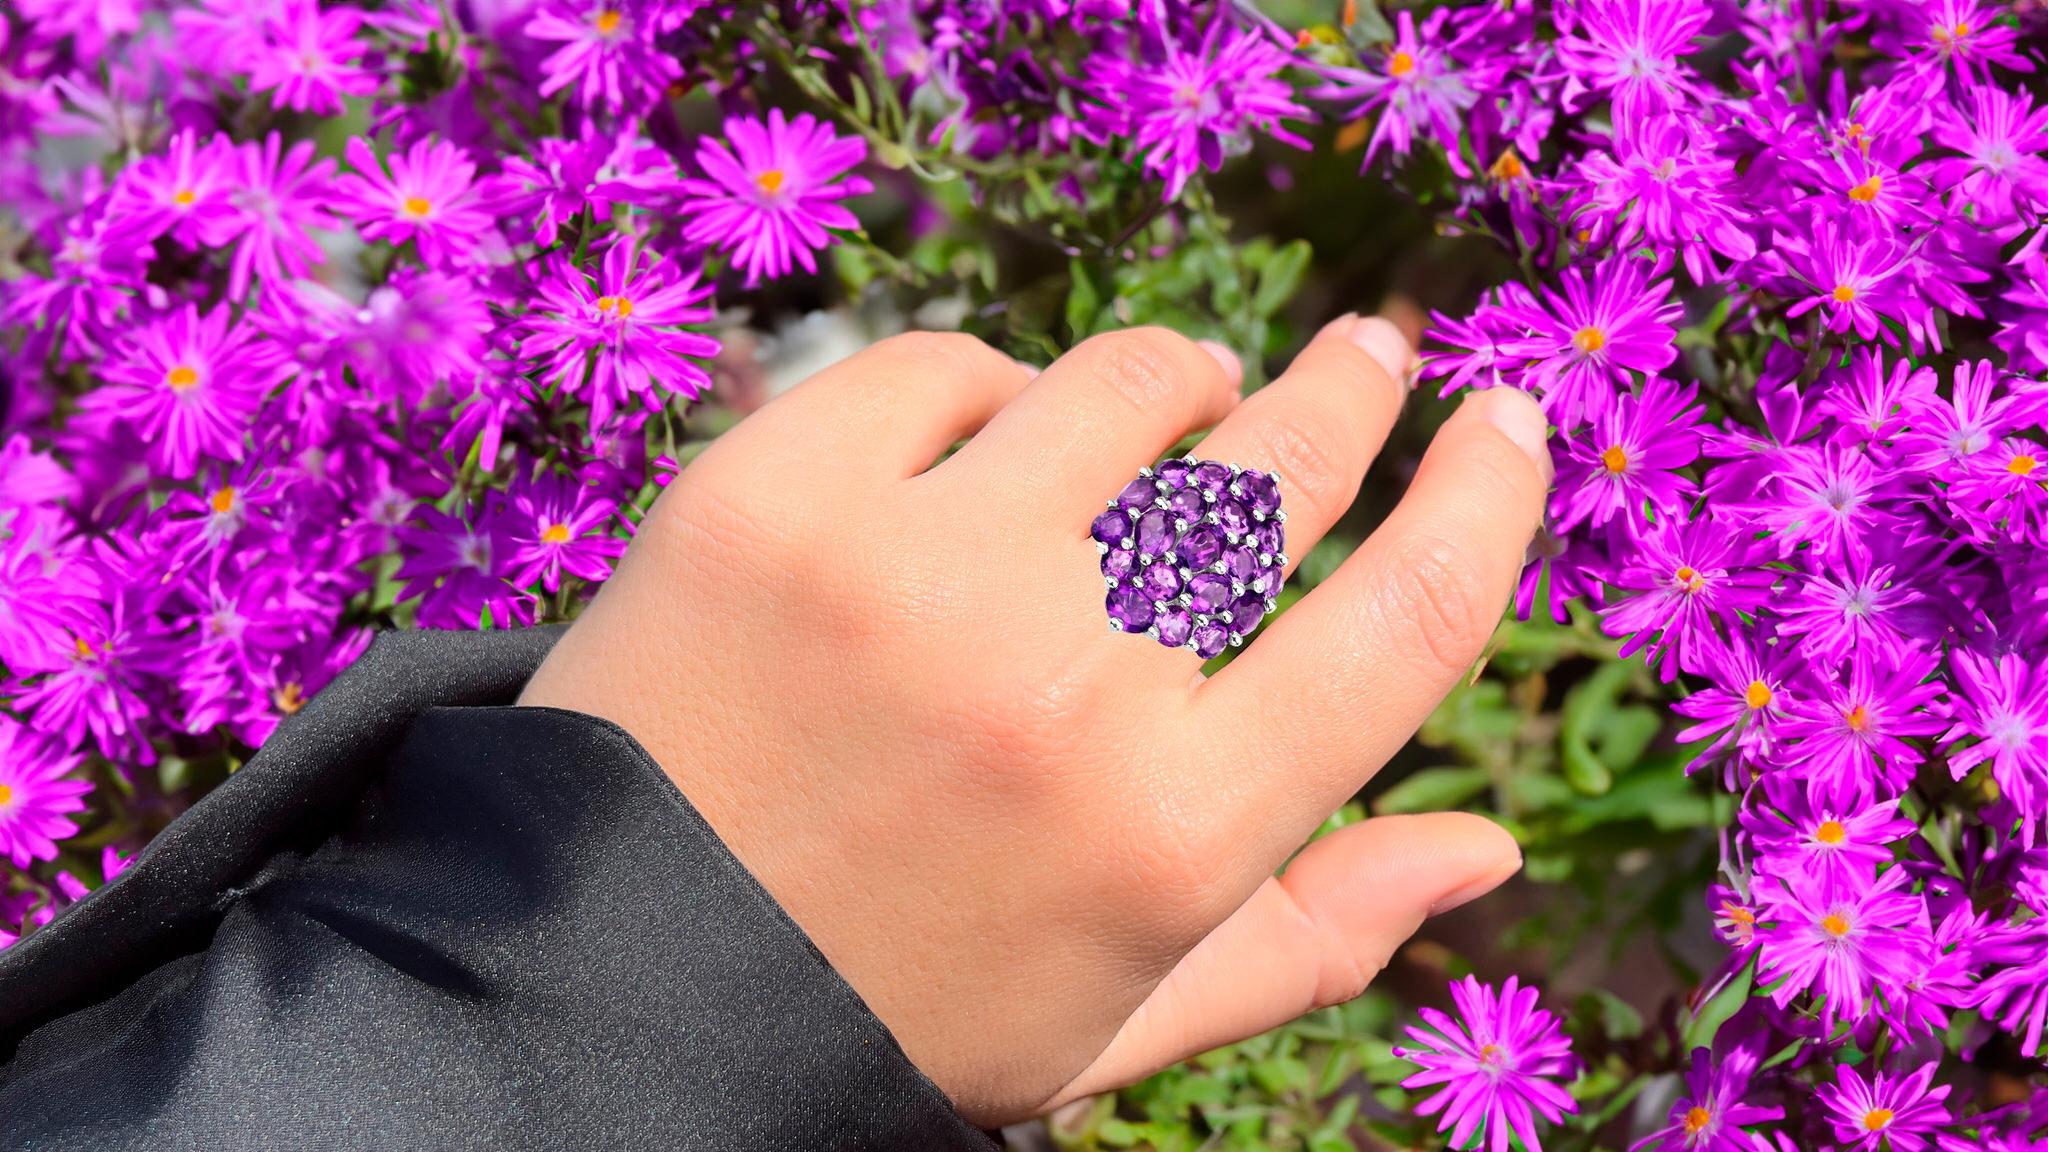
(1242, 562)
(1162, 582)
(1155, 532)
(1210, 637)
(1174, 626)
(1139, 493)
(1270, 538)
(1119, 563)
(1131, 608)
(1175, 473)
(1262, 491)
(1212, 477)
(1187, 504)
(1268, 582)
(1208, 592)
(1200, 545)
(1245, 613)
(1234, 517)
(1111, 528)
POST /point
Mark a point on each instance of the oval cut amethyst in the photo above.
(1162, 582)
(1235, 517)
(1187, 504)
(1175, 473)
(1245, 613)
(1112, 527)
(1209, 638)
(1155, 532)
(1270, 538)
(1174, 626)
(1212, 477)
(1139, 493)
(1262, 491)
(1242, 563)
(1208, 592)
(1119, 563)
(1200, 545)
(1131, 608)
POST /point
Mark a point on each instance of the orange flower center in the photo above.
(770, 181)
(1508, 167)
(181, 378)
(1831, 832)
(6, 794)
(1835, 924)
(555, 534)
(1739, 915)
(1589, 340)
(1697, 1119)
(418, 205)
(1875, 1119)
(1688, 579)
(1614, 459)
(184, 197)
(619, 304)
(1857, 718)
(1757, 695)
(1490, 1055)
(1400, 64)
(608, 20)
(1867, 191)
(1844, 294)
(289, 697)
(223, 500)
(2022, 465)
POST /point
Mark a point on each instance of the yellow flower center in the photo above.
(181, 378)
(1508, 167)
(555, 534)
(1875, 1119)
(1490, 1055)
(1738, 915)
(1757, 695)
(223, 500)
(1697, 1119)
(1831, 832)
(1835, 924)
(2022, 465)
(6, 794)
(770, 181)
(1400, 64)
(1614, 459)
(1857, 718)
(418, 205)
(289, 697)
(1844, 294)
(1867, 191)
(608, 20)
(618, 304)
(84, 649)
(184, 197)
(1589, 340)
(1688, 579)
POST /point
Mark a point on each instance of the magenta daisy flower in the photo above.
(1185, 110)
(1689, 580)
(1419, 89)
(1630, 51)
(1630, 458)
(558, 525)
(1853, 280)
(309, 61)
(1834, 500)
(1711, 1115)
(36, 793)
(1885, 1113)
(1863, 729)
(432, 197)
(1585, 341)
(1839, 943)
(620, 336)
(770, 192)
(2003, 705)
(188, 385)
(1497, 1063)
(1664, 182)
(97, 693)
(2001, 171)
(277, 198)
(607, 54)
(182, 191)
(457, 567)
(1843, 604)
(1796, 829)
(1742, 705)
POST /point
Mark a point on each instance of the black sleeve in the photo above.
(421, 918)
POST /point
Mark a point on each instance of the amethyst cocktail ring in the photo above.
(1194, 552)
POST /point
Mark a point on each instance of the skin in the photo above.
(1042, 852)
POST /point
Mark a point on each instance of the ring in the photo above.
(1194, 553)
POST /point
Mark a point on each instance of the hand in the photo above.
(1041, 851)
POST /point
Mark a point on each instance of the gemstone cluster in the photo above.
(1194, 553)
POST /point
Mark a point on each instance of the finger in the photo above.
(1342, 678)
(1311, 938)
(891, 408)
(1321, 423)
(1080, 432)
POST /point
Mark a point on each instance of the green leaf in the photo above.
(1280, 277)
(1432, 790)
(1084, 303)
(1699, 1031)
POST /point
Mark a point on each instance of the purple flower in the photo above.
(1630, 458)
(1859, 730)
(309, 60)
(2001, 171)
(1688, 579)
(36, 793)
(1496, 1062)
(607, 54)
(1419, 89)
(1630, 50)
(432, 197)
(768, 197)
(1840, 943)
(188, 384)
(1885, 1113)
(1742, 706)
(1587, 339)
(1663, 182)
(1711, 1115)
(1799, 831)
(1854, 280)
(1844, 604)
(276, 198)
(558, 525)
(182, 192)
(620, 337)
(457, 567)
(98, 689)
(2003, 705)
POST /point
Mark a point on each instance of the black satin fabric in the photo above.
(421, 918)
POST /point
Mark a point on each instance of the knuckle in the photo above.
(1436, 594)
(931, 359)
(1149, 369)
(1305, 440)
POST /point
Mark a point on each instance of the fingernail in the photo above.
(1225, 357)
(1459, 897)
(1341, 326)
(1384, 343)
(1522, 420)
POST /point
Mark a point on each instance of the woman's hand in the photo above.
(1043, 852)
